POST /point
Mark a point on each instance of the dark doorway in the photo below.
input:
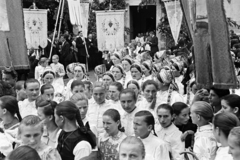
(142, 20)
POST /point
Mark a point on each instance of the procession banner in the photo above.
(4, 23)
(175, 15)
(79, 14)
(12, 39)
(110, 29)
(35, 28)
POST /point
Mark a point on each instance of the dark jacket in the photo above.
(81, 46)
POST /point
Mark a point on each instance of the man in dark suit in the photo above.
(82, 46)
(65, 51)
(93, 52)
(153, 42)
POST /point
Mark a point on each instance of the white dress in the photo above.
(11, 132)
(117, 105)
(58, 82)
(127, 121)
(205, 145)
(95, 113)
(38, 72)
(222, 154)
(178, 80)
(172, 136)
(156, 149)
(27, 108)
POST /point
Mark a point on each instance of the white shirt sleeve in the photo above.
(82, 149)
(162, 152)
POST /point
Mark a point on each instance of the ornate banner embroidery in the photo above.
(4, 23)
(35, 28)
(110, 29)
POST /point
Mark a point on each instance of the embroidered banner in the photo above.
(35, 28)
(174, 14)
(4, 23)
(79, 14)
(110, 29)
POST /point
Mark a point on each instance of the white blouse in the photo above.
(172, 136)
(95, 113)
(205, 145)
(222, 154)
(117, 105)
(156, 149)
(27, 108)
(127, 121)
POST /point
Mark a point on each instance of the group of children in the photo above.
(138, 109)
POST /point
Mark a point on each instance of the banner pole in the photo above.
(87, 56)
(61, 18)
(55, 28)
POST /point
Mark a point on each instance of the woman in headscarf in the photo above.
(119, 74)
(116, 59)
(168, 89)
(126, 64)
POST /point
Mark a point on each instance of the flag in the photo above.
(79, 14)
(35, 28)
(110, 29)
(13, 48)
(174, 14)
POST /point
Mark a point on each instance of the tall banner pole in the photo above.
(61, 18)
(54, 33)
(84, 44)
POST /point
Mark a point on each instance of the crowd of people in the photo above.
(144, 105)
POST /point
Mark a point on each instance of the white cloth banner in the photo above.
(4, 23)
(35, 22)
(79, 14)
(110, 30)
(174, 14)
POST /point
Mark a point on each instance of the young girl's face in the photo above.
(88, 91)
(150, 92)
(83, 108)
(117, 73)
(136, 74)
(126, 65)
(113, 93)
(48, 94)
(48, 78)
(110, 126)
(107, 80)
(78, 89)
(31, 135)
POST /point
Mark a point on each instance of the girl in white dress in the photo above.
(231, 103)
(116, 59)
(168, 89)
(43, 62)
(110, 140)
(10, 116)
(147, 70)
(81, 101)
(79, 74)
(205, 145)
(136, 73)
(155, 147)
(119, 74)
(136, 88)
(169, 132)
(132, 147)
(223, 123)
(126, 64)
(31, 126)
(114, 91)
(51, 132)
(233, 142)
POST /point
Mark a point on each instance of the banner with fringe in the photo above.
(79, 14)
(110, 29)
(35, 28)
(175, 15)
